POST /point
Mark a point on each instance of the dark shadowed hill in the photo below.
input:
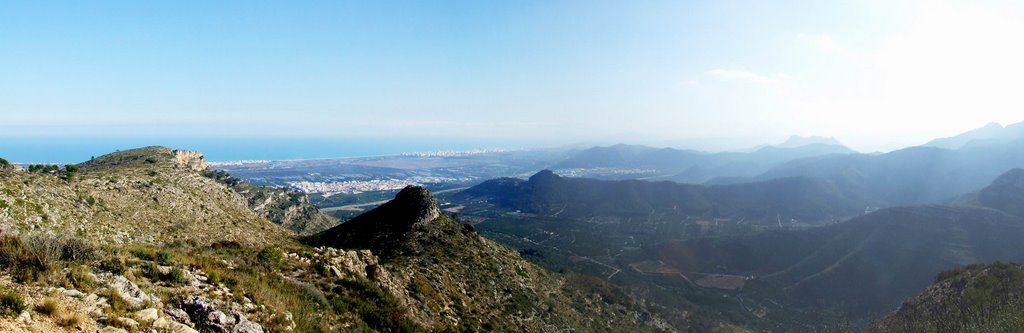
(975, 298)
(1006, 193)
(388, 229)
(548, 194)
(866, 265)
(453, 273)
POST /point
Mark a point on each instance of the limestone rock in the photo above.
(191, 159)
(147, 316)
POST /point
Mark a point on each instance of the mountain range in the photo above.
(690, 166)
(993, 133)
(861, 267)
(150, 239)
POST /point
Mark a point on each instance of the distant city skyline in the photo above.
(711, 75)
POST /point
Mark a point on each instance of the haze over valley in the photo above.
(511, 166)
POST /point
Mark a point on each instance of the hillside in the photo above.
(149, 195)
(286, 207)
(691, 166)
(894, 252)
(147, 239)
(866, 265)
(458, 278)
(1006, 193)
(853, 269)
(914, 175)
(547, 194)
(992, 133)
(974, 298)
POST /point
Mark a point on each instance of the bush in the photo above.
(117, 304)
(33, 256)
(176, 276)
(115, 264)
(270, 257)
(71, 320)
(11, 303)
(151, 271)
(49, 307)
(79, 278)
(163, 257)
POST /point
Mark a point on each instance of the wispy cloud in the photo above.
(722, 74)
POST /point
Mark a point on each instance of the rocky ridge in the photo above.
(448, 276)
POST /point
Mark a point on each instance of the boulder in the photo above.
(147, 316)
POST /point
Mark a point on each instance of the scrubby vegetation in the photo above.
(974, 298)
(11, 303)
(117, 245)
(33, 257)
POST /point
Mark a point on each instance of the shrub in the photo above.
(80, 279)
(176, 276)
(163, 257)
(49, 307)
(33, 256)
(71, 320)
(270, 257)
(116, 302)
(151, 271)
(115, 264)
(11, 303)
(144, 253)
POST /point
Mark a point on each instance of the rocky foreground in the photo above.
(150, 240)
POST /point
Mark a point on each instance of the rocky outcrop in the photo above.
(207, 316)
(191, 159)
(445, 275)
(386, 229)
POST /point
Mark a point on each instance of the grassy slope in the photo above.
(137, 196)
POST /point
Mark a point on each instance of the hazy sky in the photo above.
(874, 74)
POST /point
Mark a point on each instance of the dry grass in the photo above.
(50, 307)
(70, 320)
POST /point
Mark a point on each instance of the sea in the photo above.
(219, 149)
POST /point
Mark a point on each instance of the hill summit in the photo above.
(1006, 193)
(385, 228)
(454, 277)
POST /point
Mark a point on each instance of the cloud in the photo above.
(825, 43)
(743, 75)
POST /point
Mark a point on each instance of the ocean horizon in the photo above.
(79, 149)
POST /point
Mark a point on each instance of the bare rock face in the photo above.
(192, 159)
(387, 230)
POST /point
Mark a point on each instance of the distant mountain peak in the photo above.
(798, 141)
(1014, 177)
(1006, 193)
(544, 176)
(990, 133)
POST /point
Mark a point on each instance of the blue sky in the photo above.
(712, 74)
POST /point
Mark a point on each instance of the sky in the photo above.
(877, 75)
